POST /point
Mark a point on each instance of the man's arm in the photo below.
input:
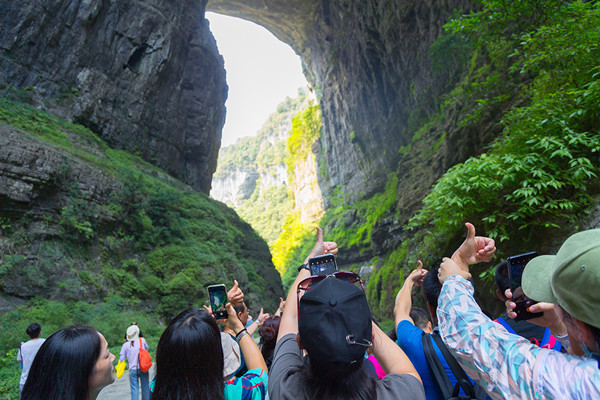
(502, 363)
(257, 322)
(403, 299)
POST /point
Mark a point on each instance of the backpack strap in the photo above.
(139, 351)
(436, 367)
(461, 376)
(505, 324)
(549, 341)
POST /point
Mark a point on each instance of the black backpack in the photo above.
(439, 373)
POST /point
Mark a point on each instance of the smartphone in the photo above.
(322, 265)
(218, 299)
(516, 265)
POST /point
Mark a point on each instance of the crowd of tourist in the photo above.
(322, 341)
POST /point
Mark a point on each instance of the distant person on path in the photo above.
(28, 350)
(141, 334)
(130, 351)
(73, 363)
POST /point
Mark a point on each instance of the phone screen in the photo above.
(516, 266)
(218, 299)
(322, 265)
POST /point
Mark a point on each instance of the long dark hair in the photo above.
(189, 359)
(268, 336)
(344, 381)
(63, 365)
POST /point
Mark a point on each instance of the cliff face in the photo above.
(369, 62)
(252, 175)
(147, 77)
(144, 75)
(80, 221)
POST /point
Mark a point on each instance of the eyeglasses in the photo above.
(346, 276)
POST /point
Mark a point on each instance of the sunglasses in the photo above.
(346, 276)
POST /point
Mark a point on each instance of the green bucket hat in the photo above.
(570, 279)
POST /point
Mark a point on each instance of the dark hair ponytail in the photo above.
(342, 382)
(63, 365)
(189, 359)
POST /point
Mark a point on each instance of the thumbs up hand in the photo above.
(474, 249)
(322, 247)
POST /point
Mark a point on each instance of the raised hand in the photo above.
(232, 319)
(235, 295)
(262, 316)
(550, 319)
(418, 274)
(474, 249)
(281, 306)
(322, 247)
(448, 267)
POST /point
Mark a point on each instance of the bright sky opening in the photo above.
(261, 72)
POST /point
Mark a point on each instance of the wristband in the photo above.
(257, 323)
(564, 340)
(303, 266)
(241, 334)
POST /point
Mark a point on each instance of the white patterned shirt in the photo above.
(506, 365)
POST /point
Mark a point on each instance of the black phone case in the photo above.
(315, 264)
(523, 305)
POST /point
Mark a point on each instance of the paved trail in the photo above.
(119, 390)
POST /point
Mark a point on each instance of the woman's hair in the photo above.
(343, 382)
(63, 365)
(189, 359)
(268, 335)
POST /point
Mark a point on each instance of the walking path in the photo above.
(119, 390)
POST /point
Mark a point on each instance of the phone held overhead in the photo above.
(322, 265)
(516, 265)
(218, 300)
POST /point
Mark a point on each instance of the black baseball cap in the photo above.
(334, 322)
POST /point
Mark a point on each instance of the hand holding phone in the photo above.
(322, 265)
(516, 265)
(218, 300)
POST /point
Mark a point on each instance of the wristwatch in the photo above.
(303, 266)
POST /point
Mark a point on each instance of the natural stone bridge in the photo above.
(147, 76)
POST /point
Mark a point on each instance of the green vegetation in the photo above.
(306, 130)
(266, 208)
(532, 70)
(146, 253)
(541, 171)
(290, 245)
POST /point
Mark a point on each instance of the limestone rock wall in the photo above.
(369, 62)
(145, 75)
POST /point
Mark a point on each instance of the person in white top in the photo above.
(28, 350)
